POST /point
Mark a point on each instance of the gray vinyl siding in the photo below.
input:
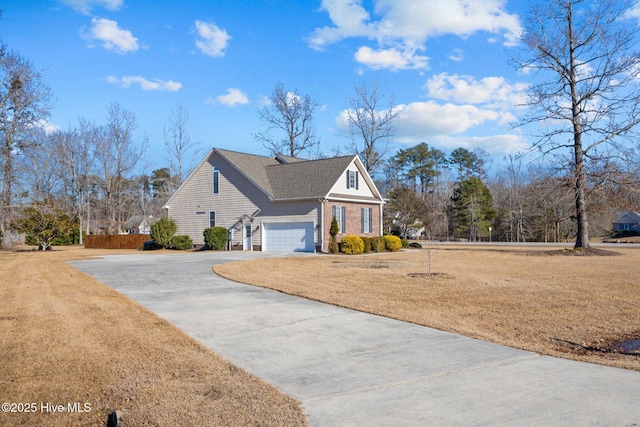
(196, 195)
(237, 196)
(302, 211)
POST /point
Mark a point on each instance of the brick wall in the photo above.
(354, 221)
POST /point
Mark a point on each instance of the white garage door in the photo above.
(289, 237)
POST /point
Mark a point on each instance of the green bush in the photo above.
(182, 243)
(367, 244)
(333, 230)
(215, 238)
(405, 243)
(43, 224)
(352, 245)
(64, 240)
(392, 243)
(163, 230)
(377, 244)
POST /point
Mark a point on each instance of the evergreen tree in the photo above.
(472, 209)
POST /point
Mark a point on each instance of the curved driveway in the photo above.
(354, 369)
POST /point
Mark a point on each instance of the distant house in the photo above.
(277, 203)
(627, 223)
(139, 224)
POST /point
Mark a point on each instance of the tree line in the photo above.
(87, 174)
(582, 114)
(435, 195)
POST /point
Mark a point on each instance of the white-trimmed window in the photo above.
(366, 220)
(340, 214)
(352, 179)
(212, 218)
(216, 180)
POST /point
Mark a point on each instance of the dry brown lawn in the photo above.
(67, 338)
(542, 300)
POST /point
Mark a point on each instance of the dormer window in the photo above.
(352, 179)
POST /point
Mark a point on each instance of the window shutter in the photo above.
(356, 172)
(212, 219)
(344, 219)
(370, 220)
(348, 176)
(362, 220)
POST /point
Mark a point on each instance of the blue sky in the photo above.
(444, 61)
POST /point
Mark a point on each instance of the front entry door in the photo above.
(247, 246)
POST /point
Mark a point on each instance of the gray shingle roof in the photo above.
(308, 179)
(297, 179)
(252, 166)
(137, 220)
(627, 218)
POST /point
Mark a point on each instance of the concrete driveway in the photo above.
(355, 369)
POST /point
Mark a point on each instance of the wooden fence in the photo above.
(115, 241)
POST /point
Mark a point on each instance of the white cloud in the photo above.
(211, 40)
(47, 126)
(491, 91)
(634, 11)
(112, 37)
(85, 6)
(501, 144)
(423, 119)
(233, 97)
(349, 19)
(264, 101)
(456, 55)
(391, 59)
(145, 84)
(404, 26)
(444, 126)
(418, 120)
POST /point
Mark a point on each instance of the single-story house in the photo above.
(627, 223)
(139, 224)
(277, 203)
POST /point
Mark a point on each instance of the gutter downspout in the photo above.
(381, 218)
(321, 228)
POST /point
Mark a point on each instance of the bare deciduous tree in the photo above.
(588, 95)
(370, 124)
(38, 170)
(180, 148)
(291, 113)
(118, 155)
(24, 102)
(73, 151)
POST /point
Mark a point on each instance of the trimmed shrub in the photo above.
(333, 230)
(377, 244)
(182, 243)
(367, 244)
(215, 238)
(163, 230)
(392, 243)
(352, 245)
(405, 243)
